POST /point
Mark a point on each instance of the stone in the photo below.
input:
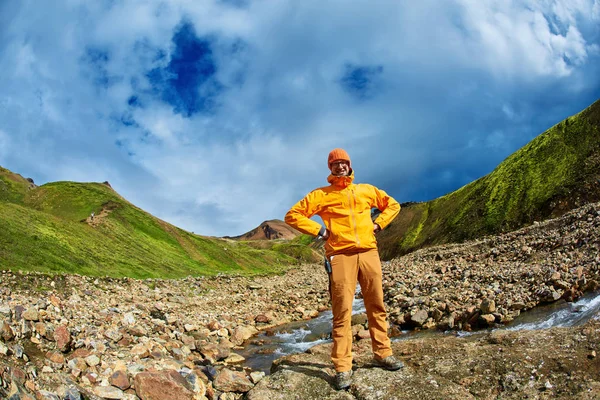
(419, 317)
(363, 334)
(488, 306)
(359, 319)
(242, 333)
(40, 328)
(3, 349)
(140, 350)
(56, 357)
(128, 319)
(119, 379)
(109, 392)
(234, 358)
(262, 319)
(77, 365)
(232, 381)
(62, 337)
(137, 330)
(45, 395)
(162, 385)
(113, 335)
(6, 331)
(214, 352)
(487, 319)
(71, 393)
(92, 360)
(18, 350)
(214, 325)
(196, 380)
(18, 312)
(31, 314)
(5, 311)
(256, 376)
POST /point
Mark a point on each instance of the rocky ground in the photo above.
(78, 337)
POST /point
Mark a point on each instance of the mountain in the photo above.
(269, 230)
(50, 228)
(555, 172)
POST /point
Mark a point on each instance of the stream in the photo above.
(297, 337)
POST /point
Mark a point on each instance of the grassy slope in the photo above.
(555, 172)
(12, 187)
(45, 229)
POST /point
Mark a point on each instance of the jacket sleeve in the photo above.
(299, 215)
(388, 206)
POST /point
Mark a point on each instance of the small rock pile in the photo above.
(492, 280)
(150, 339)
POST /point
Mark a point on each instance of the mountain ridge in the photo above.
(49, 228)
(555, 172)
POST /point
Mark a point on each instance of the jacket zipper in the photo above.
(353, 215)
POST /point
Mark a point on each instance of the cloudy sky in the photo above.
(218, 115)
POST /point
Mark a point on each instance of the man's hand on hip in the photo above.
(376, 228)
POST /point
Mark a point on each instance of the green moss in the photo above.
(556, 171)
(49, 232)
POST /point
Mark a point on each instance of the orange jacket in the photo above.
(345, 208)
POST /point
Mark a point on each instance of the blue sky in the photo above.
(218, 115)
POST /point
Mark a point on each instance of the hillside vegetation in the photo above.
(49, 228)
(556, 172)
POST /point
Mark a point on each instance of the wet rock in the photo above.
(263, 319)
(242, 333)
(359, 319)
(419, 317)
(234, 358)
(488, 306)
(487, 319)
(256, 376)
(215, 352)
(232, 381)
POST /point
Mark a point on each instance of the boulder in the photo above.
(232, 381)
(162, 385)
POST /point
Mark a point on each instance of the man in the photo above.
(351, 248)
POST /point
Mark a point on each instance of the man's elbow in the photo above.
(289, 218)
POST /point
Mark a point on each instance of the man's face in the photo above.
(340, 168)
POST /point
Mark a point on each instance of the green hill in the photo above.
(557, 171)
(48, 228)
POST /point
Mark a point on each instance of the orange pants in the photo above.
(346, 270)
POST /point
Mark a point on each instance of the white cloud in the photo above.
(511, 37)
(468, 81)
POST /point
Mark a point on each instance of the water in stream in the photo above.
(299, 336)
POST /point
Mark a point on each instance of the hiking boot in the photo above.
(343, 380)
(390, 363)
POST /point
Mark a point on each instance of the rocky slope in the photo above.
(70, 336)
(269, 230)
